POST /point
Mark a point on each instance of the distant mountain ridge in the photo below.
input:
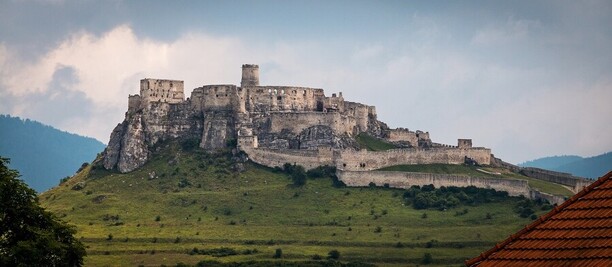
(591, 167)
(43, 154)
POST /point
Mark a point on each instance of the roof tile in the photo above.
(576, 233)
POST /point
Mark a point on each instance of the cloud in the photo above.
(81, 85)
(512, 31)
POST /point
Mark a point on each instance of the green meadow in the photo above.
(188, 206)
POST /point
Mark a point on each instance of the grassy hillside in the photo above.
(373, 144)
(42, 154)
(190, 206)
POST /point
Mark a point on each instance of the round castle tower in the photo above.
(250, 75)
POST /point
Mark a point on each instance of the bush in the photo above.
(333, 255)
(278, 253)
(427, 258)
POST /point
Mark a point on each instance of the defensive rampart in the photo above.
(576, 183)
(298, 121)
(408, 179)
(363, 160)
(309, 159)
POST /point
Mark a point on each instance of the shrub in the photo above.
(333, 255)
(157, 218)
(110, 237)
(427, 258)
(278, 253)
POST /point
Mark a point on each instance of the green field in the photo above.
(196, 200)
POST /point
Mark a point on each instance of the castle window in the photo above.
(279, 98)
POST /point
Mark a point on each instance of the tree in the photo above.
(30, 235)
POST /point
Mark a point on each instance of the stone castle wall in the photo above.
(309, 159)
(282, 98)
(215, 98)
(408, 179)
(575, 183)
(402, 134)
(170, 91)
(364, 160)
(296, 122)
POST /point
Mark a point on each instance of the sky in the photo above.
(525, 78)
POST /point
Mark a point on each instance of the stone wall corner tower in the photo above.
(250, 75)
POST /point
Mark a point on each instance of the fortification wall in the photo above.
(298, 121)
(359, 112)
(170, 91)
(279, 98)
(363, 160)
(576, 183)
(408, 179)
(553, 199)
(134, 103)
(309, 159)
(334, 103)
(402, 134)
(215, 98)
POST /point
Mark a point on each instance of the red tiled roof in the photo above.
(576, 233)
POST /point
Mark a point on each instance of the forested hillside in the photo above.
(42, 154)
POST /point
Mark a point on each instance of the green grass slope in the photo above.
(368, 142)
(190, 207)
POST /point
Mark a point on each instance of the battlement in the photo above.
(170, 91)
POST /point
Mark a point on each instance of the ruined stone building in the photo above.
(275, 125)
(272, 124)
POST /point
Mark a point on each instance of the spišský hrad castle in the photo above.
(275, 125)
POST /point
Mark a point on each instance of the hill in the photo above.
(591, 167)
(42, 154)
(551, 163)
(185, 205)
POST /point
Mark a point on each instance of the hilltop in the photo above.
(282, 174)
(187, 205)
(42, 154)
(275, 125)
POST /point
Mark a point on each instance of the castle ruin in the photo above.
(275, 125)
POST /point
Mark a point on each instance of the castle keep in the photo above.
(273, 125)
